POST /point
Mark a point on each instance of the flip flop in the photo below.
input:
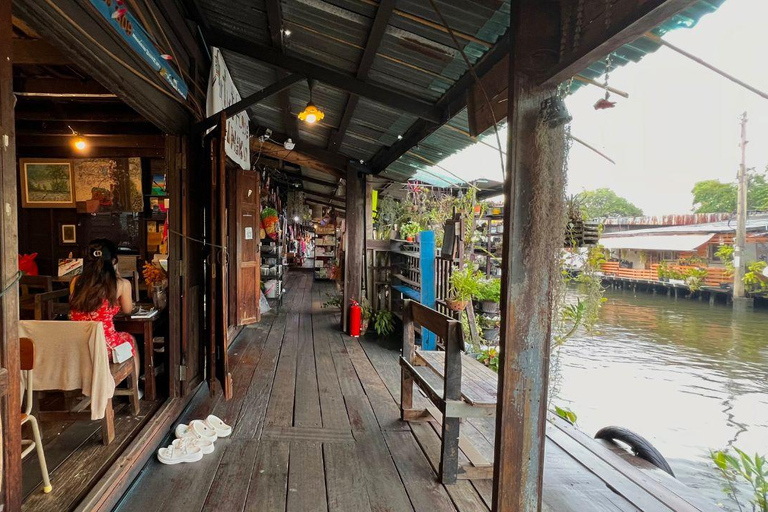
(196, 428)
(205, 446)
(218, 426)
(183, 452)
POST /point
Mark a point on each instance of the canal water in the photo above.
(688, 376)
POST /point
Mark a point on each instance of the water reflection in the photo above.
(688, 376)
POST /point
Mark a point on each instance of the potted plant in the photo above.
(489, 295)
(409, 230)
(383, 322)
(663, 272)
(156, 280)
(490, 326)
(464, 286)
(365, 316)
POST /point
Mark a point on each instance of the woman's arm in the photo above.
(125, 295)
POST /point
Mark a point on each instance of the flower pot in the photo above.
(491, 334)
(409, 239)
(456, 305)
(488, 306)
(364, 326)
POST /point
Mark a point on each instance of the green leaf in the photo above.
(567, 414)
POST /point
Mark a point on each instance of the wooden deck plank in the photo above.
(269, 480)
(344, 479)
(386, 492)
(230, 485)
(306, 478)
(417, 475)
(333, 411)
(473, 387)
(307, 406)
(384, 407)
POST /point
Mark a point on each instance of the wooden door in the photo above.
(10, 407)
(216, 237)
(244, 223)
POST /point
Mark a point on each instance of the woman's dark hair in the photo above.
(98, 282)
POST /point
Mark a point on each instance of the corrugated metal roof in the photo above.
(754, 223)
(681, 243)
(415, 58)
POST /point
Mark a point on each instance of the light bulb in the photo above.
(296, 218)
(311, 118)
(80, 144)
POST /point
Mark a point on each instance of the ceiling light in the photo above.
(311, 114)
(286, 31)
(399, 137)
(289, 144)
(80, 144)
(296, 218)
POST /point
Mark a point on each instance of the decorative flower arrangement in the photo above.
(153, 275)
(270, 221)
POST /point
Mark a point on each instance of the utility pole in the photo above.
(739, 296)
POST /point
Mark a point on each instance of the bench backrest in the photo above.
(445, 327)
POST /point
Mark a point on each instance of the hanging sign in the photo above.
(221, 94)
(137, 38)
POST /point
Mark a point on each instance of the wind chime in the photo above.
(605, 102)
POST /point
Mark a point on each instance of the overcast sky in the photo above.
(680, 124)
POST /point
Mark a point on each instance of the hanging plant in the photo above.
(269, 222)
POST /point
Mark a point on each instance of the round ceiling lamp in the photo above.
(311, 114)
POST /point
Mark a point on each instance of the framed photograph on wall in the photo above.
(68, 234)
(46, 183)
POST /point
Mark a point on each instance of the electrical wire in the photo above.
(197, 240)
(477, 80)
(16, 279)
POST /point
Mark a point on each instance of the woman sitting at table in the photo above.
(99, 293)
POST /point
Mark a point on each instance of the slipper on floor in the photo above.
(205, 446)
(218, 426)
(183, 452)
(196, 428)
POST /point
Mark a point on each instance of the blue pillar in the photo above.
(427, 266)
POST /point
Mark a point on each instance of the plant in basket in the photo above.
(409, 230)
(465, 284)
(489, 295)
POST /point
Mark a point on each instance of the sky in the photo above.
(680, 123)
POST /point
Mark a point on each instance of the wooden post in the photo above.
(353, 264)
(10, 394)
(406, 380)
(529, 259)
(449, 455)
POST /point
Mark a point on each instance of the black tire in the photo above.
(639, 445)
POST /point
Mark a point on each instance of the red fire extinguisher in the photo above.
(355, 314)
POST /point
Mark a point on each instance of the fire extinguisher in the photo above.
(355, 314)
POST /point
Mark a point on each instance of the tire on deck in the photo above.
(639, 445)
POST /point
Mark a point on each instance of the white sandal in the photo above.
(205, 446)
(196, 428)
(178, 453)
(218, 426)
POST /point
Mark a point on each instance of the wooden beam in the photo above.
(275, 21)
(325, 203)
(10, 406)
(31, 110)
(303, 153)
(375, 36)
(63, 128)
(327, 197)
(452, 102)
(37, 52)
(93, 140)
(534, 196)
(629, 20)
(65, 89)
(250, 100)
(355, 234)
(397, 100)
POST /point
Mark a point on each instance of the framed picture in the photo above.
(114, 182)
(68, 234)
(46, 183)
(158, 185)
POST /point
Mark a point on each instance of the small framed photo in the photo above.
(68, 234)
(46, 183)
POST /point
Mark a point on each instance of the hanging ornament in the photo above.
(605, 102)
(166, 56)
(119, 13)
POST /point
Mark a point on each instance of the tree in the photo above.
(604, 202)
(713, 196)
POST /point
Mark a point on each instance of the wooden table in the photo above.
(144, 327)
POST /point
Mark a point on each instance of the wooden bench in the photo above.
(469, 388)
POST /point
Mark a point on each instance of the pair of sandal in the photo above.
(194, 440)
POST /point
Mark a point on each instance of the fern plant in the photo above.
(383, 322)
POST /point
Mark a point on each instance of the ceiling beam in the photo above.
(310, 179)
(275, 21)
(30, 110)
(58, 86)
(323, 203)
(250, 100)
(375, 36)
(629, 21)
(452, 102)
(302, 154)
(333, 77)
(93, 140)
(37, 52)
(327, 197)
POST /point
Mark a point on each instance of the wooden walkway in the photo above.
(316, 428)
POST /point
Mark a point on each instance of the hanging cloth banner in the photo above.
(137, 38)
(221, 94)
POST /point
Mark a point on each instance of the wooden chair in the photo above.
(49, 305)
(469, 389)
(29, 286)
(27, 361)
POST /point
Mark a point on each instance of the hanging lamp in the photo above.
(311, 114)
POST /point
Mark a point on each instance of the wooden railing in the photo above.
(715, 275)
